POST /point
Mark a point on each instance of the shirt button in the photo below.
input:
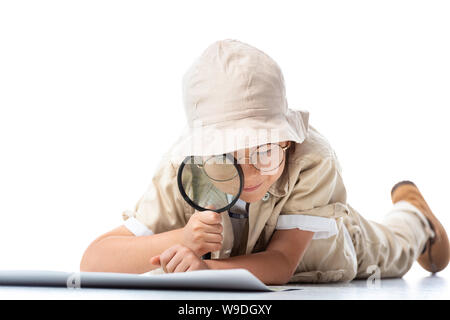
(266, 197)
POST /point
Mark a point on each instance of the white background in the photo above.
(90, 98)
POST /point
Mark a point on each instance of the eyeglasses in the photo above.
(265, 158)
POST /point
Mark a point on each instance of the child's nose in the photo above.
(249, 171)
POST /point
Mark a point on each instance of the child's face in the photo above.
(256, 182)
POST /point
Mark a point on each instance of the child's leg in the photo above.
(436, 255)
(408, 234)
(390, 247)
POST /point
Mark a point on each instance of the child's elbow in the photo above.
(286, 277)
(287, 270)
(89, 260)
(279, 280)
(283, 276)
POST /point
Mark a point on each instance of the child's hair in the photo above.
(291, 148)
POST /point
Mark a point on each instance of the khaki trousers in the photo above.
(390, 247)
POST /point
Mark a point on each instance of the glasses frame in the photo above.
(236, 161)
(251, 155)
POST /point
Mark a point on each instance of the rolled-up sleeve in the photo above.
(161, 208)
(317, 199)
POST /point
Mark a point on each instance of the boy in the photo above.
(292, 221)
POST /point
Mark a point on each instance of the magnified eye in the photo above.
(220, 168)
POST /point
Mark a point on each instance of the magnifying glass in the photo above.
(215, 181)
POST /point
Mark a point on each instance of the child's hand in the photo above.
(203, 232)
(178, 258)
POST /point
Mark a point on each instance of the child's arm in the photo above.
(121, 251)
(275, 265)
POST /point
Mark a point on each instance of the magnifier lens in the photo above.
(220, 168)
(211, 181)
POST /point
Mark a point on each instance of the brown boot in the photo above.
(436, 255)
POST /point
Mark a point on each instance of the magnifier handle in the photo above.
(207, 256)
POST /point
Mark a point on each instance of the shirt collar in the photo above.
(280, 187)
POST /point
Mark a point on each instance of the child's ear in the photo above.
(289, 144)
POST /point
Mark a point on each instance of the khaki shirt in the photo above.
(309, 195)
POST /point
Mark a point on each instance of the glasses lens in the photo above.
(220, 168)
(268, 157)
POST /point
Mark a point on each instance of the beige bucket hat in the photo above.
(234, 98)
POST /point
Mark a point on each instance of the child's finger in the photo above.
(167, 255)
(155, 260)
(212, 246)
(210, 217)
(182, 266)
(175, 261)
(212, 228)
(213, 237)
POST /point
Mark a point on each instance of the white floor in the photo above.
(417, 284)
